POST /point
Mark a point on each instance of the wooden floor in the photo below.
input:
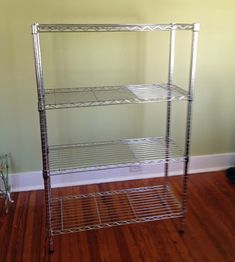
(209, 235)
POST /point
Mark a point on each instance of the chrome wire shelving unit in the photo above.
(75, 213)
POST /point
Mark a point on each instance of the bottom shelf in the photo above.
(112, 208)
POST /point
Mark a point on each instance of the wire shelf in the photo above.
(112, 95)
(113, 208)
(112, 27)
(103, 155)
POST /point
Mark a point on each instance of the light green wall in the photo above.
(114, 59)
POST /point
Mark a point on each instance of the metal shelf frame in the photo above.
(121, 207)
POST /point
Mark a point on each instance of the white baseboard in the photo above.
(28, 181)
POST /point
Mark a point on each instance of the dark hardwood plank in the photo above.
(209, 230)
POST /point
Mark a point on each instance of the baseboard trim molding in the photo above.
(28, 181)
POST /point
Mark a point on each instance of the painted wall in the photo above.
(115, 59)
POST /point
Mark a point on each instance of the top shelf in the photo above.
(112, 27)
(112, 95)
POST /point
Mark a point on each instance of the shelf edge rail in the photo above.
(112, 27)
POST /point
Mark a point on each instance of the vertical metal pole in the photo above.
(188, 124)
(169, 90)
(43, 129)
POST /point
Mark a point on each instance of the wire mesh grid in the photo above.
(101, 155)
(112, 208)
(112, 95)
